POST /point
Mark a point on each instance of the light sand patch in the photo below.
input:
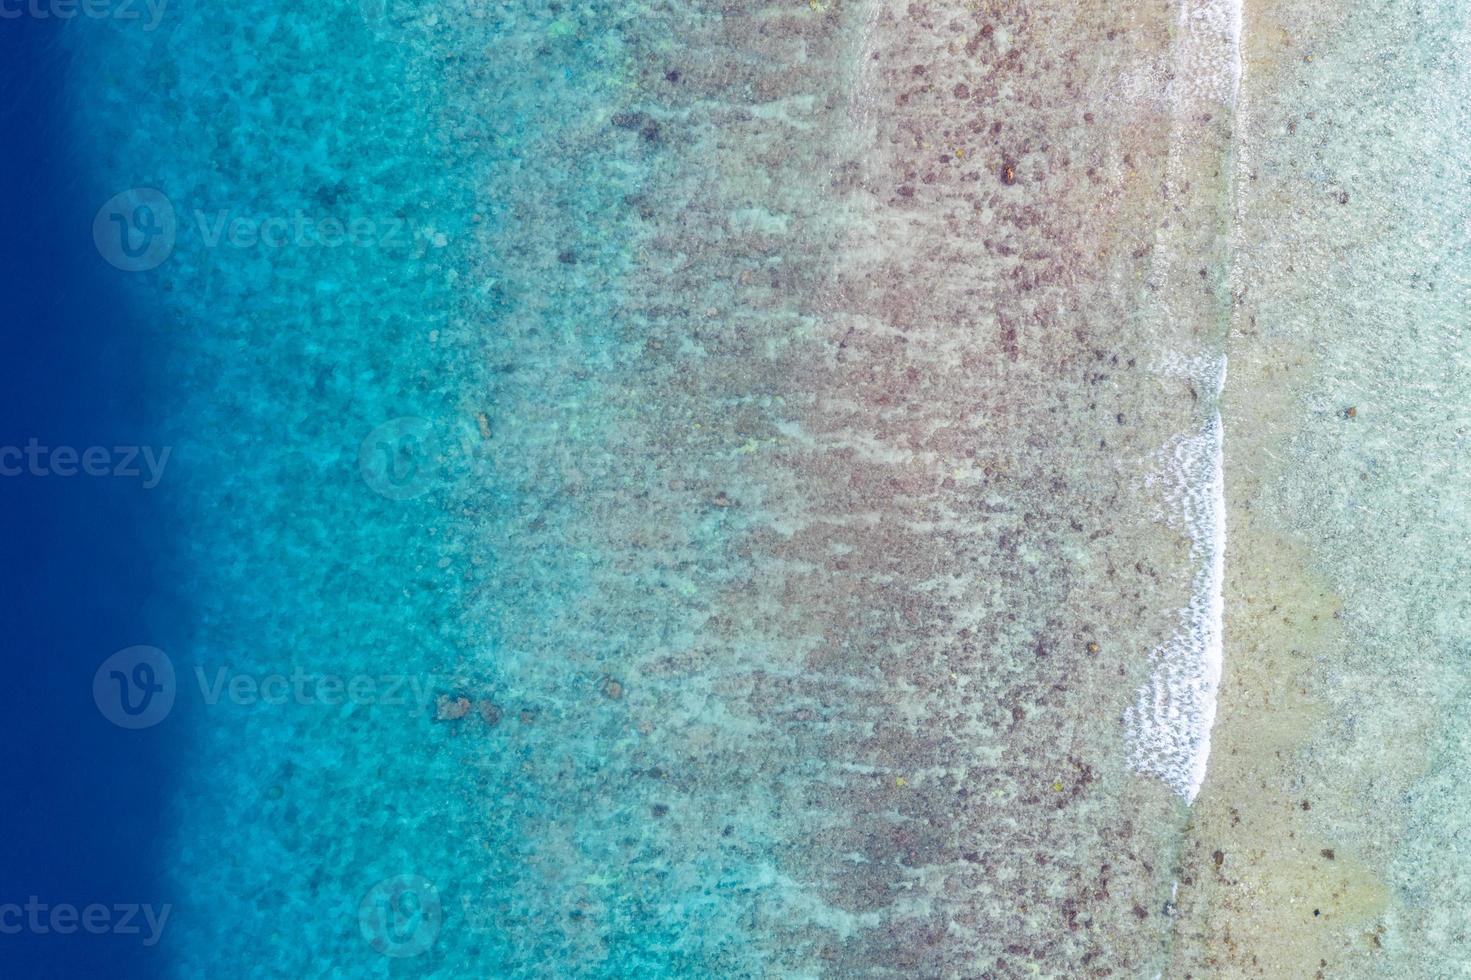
(1266, 890)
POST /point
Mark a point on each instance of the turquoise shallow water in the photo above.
(333, 391)
(310, 552)
(691, 490)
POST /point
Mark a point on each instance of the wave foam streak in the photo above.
(1170, 722)
(1172, 715)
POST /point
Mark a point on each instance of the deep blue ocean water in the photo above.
(84, 801)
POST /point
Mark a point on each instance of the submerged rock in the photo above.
(447, 708)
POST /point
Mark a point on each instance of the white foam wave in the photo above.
(1173, 713)
(1208, 57)
(1203, 68)
(1171, 719)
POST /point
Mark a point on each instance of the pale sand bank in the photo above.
(1315, 848)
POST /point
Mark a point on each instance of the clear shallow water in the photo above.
(307, 552)
(721, 457)
(1349, 319)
